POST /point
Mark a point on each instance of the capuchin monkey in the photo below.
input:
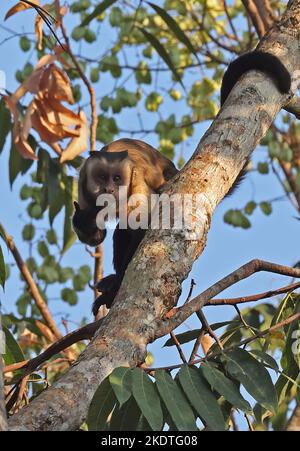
(116, 164)
(126, 163)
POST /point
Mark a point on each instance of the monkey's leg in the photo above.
(125, 241)
(107, 284)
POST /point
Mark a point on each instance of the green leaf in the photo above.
(266, 358)
(200, 396)
(69, 234)
(97, 11)
(162, 53)
(2, 269)
(53, 178)
(94, 75)
(175, 402)
(250, 207)
(186, 337)
(90, 36)
(274, 149)
(25, 44)
(43, 249)
(28, 232)
(237, 219)
(120, 380)
(225, 387)
(51, 236)
(125, 418)
(173, 25)
(5, 121)
(263, 168)
(286, 153)
(13, 352)
(17, 164)
(102, 405)
(253, 376)
(56, 206)
(70, 296)
(146, 396)
(266, 208)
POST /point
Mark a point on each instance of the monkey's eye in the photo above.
(117, 178)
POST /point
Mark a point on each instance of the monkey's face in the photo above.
(107, 172)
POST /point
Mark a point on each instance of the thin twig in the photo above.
(197, 345)
(255, 297)
(206, 326)
(83, 333)
(251, 428)
(179, 349)
(250, 268)
(255, 17)
(94, 118)
(38, 299)
(193, 284)
(211, 356)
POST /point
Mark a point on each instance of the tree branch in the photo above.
(40, 302)
(257, 21)
(29, 366)
(239, 274)
(253, 297)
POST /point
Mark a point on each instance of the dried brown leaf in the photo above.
(19, 7)
(77, 145)
(48, 131)
(58, 113)
(38, 26)
(60, 87)
(21, 144)
(56, 120)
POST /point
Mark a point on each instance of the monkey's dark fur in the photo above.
(122, 156)
(257, 60)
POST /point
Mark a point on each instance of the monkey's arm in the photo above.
(84, 224)
(256, 60)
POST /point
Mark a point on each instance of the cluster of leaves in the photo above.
(255, 320)
(30, 338)
(204, 395)
(279, 151)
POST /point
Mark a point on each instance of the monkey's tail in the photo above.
(256, 60)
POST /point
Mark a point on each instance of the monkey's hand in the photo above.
(108, 283)
(84, 223)
(109, 286)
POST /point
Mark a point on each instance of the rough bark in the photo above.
(153, 280)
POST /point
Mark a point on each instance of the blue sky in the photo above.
(271, 237)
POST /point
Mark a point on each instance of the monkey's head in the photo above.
(106, 172)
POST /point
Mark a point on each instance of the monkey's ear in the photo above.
(76, 205)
